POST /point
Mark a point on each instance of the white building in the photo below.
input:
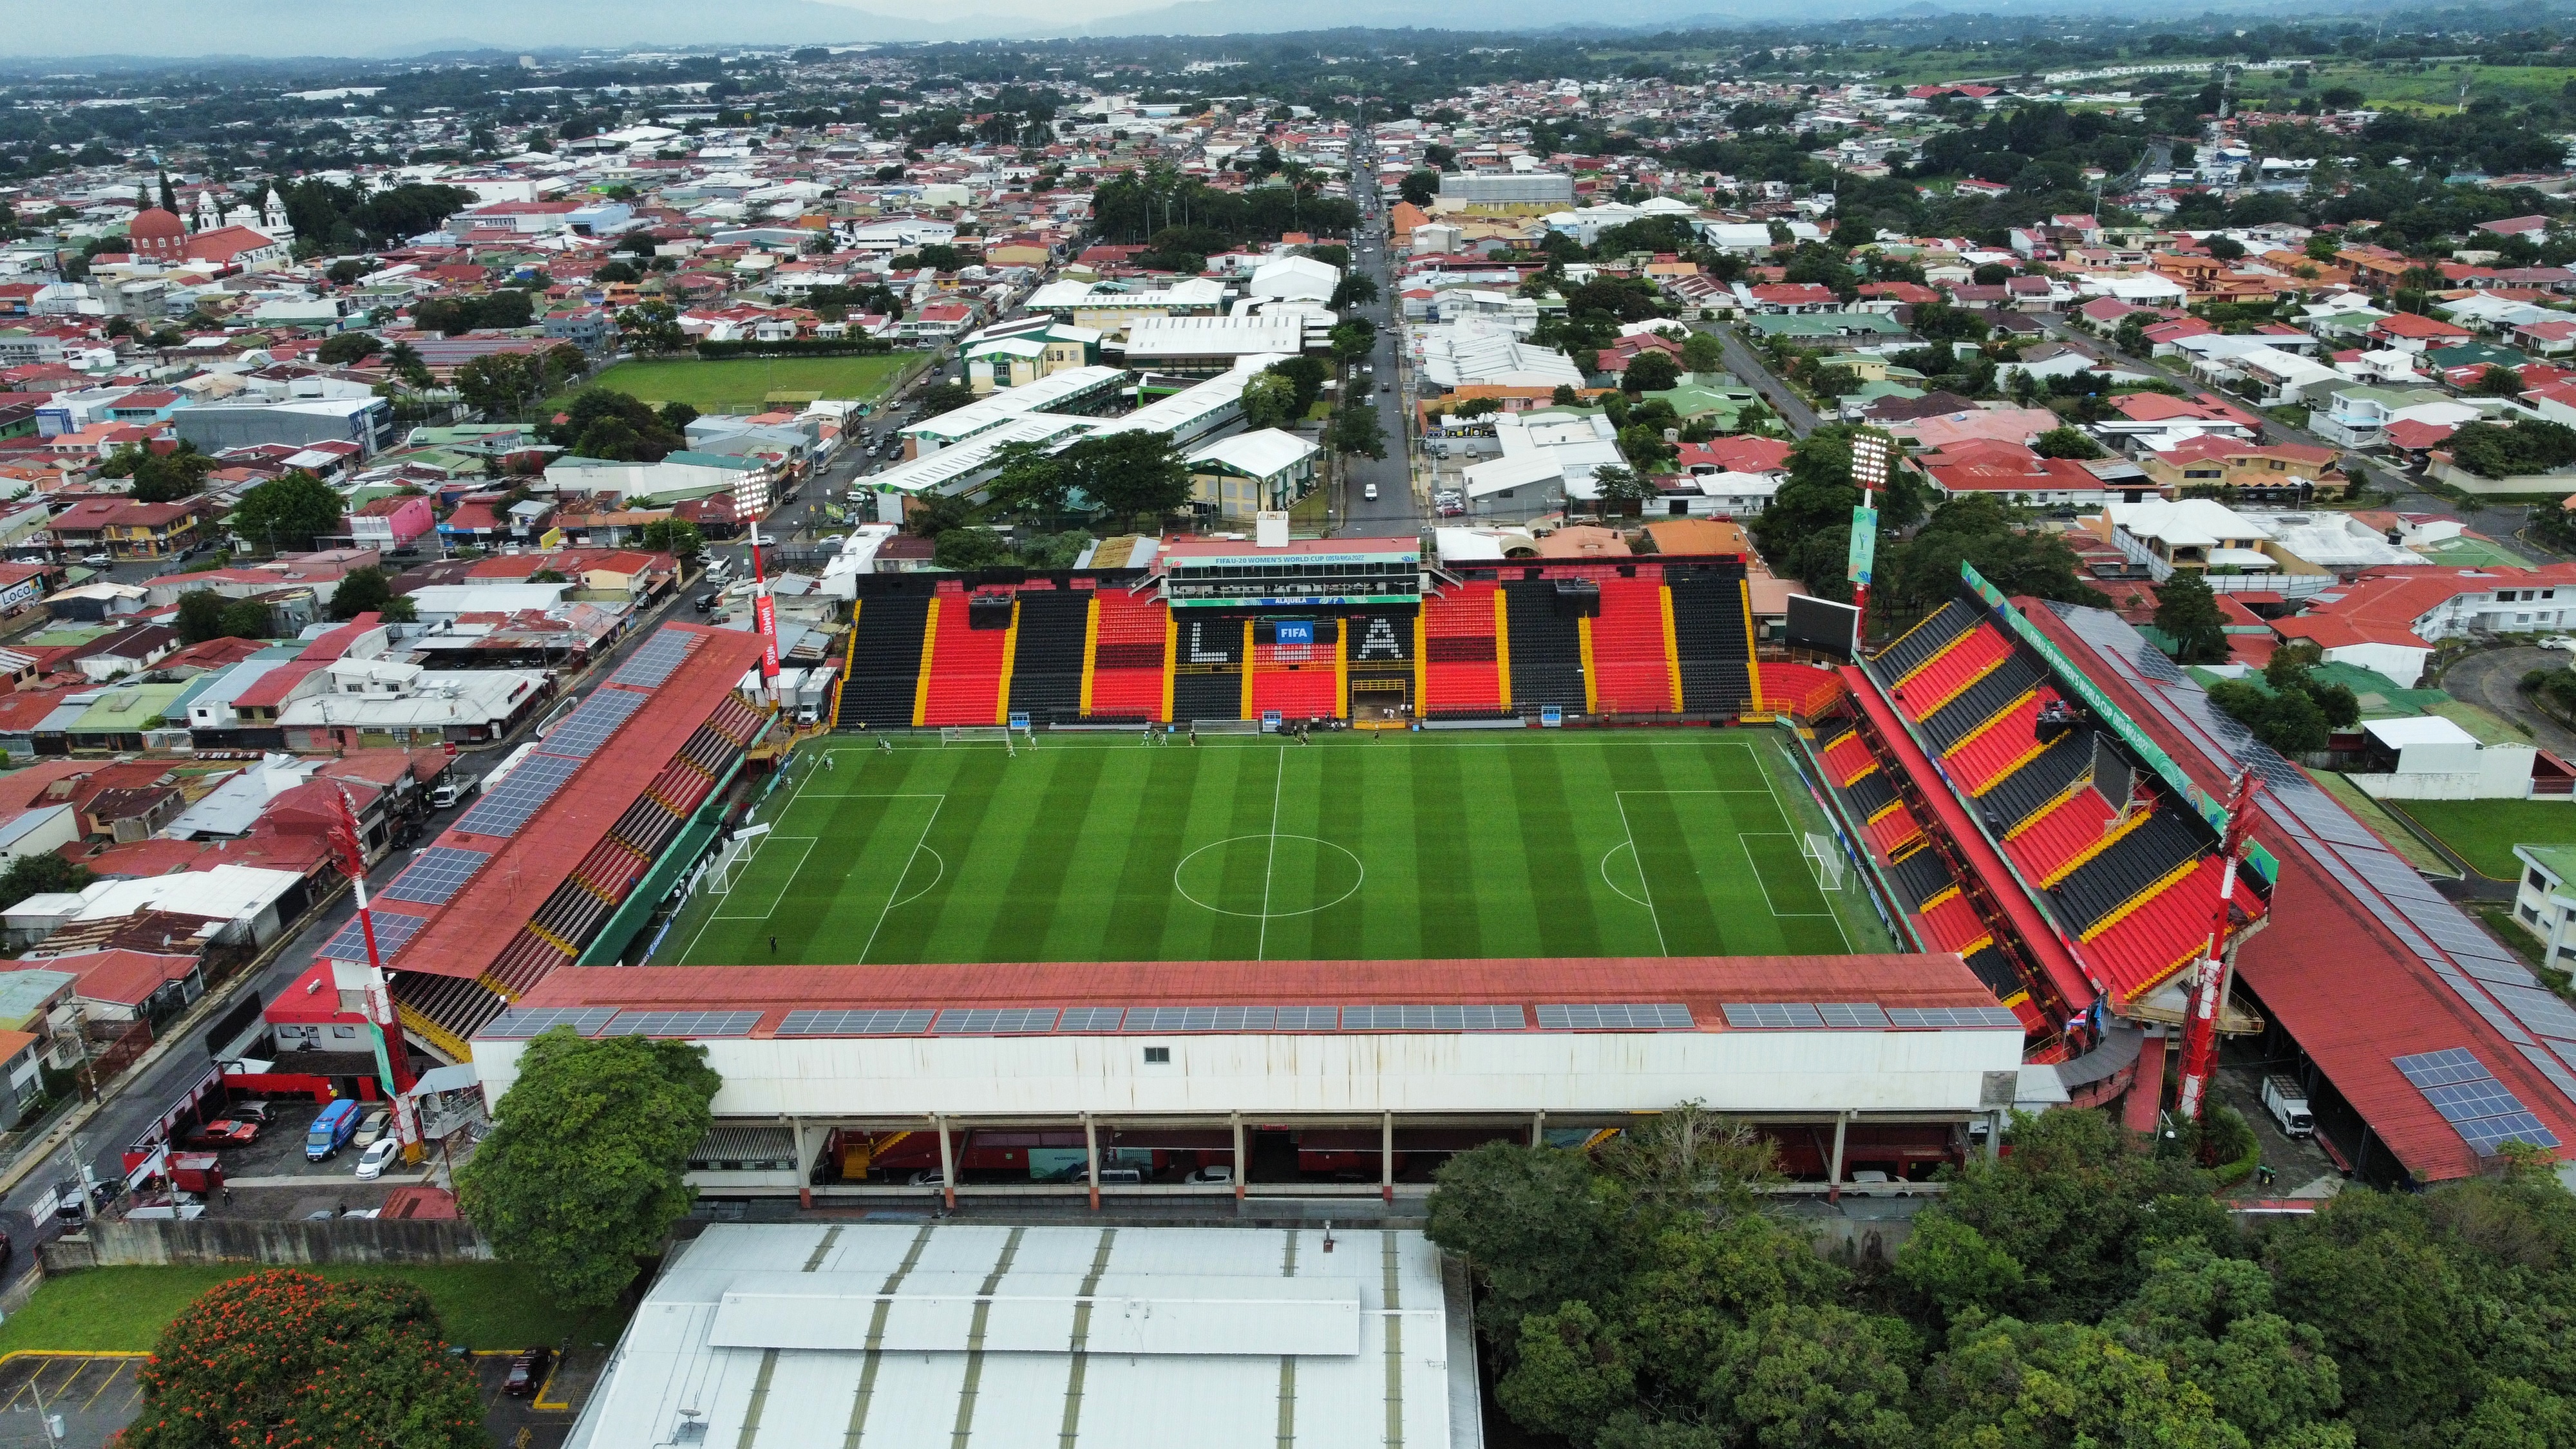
(2427, 757)
(917, 1336)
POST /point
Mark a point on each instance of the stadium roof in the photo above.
(2338, 970)
(1706, 984)
(464, 935)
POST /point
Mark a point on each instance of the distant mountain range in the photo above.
(340, 28)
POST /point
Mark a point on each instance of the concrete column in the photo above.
(804, 1165)
(1834, 1170)
(1995, 1136)
(1538, 1128)
(1242, 1164)
(1386, 1156)
(2146, 1086)
(947, 1164)
(1091, 1158)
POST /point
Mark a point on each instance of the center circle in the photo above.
(1268, 876)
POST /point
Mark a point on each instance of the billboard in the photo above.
(1864, 546)
(1294, 631)
(1823, 626)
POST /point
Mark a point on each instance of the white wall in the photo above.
(2502, 772)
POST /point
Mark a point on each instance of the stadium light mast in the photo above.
(2209, 976)
(764, 619)
(393, 1060)
(1869, 462)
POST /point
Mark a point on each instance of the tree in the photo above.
(1702, 352)
(1028, 479)
(2187, 613)
(245, 619)
(1565, 396)
(581, 1178)
(500, 383)
(1419, 187)
(1135, 474)
(1269, 401)
(1690, 1157)
(361, 591)
(157, 477)
(1354, 339)
(677, 537)
(944, 397)
(343, 348)
(651, 328)
(2498, 381)
(40, 873)
(605, 423)
(2064, 442)
(1650, 371)
(1621, 487)
(677, 416)
(201, 616)
(407, 364)
(2319, 247)
(293, 1359)
(288, 512)
(1355, 290)
(1530, 1219)
(2225, 248)
(1356, 429)
(972, 547)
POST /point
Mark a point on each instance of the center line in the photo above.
(1260, 952)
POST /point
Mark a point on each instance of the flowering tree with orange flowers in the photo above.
(289, 1360)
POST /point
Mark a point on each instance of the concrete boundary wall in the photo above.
(266, 1240)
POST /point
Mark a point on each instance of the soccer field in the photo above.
(1101, 848)
(738, 384)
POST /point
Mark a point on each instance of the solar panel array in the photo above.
(1091, 1018)
(436, 875)
(988, 1020)
(1615, 1016)
(1851, 1013)
(698, 1025)
(1433, 1018)
(582, 732)
(652, 664)
(393, 932)
(2484, 1111)
(1952, 1016)
(521, 1022)
(1771, 1015)
(521, 794)
(2486, 976)
(865, 1021)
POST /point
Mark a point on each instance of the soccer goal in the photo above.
(1827, 854)
(977, 735)
(717, 878)
(1226, 726)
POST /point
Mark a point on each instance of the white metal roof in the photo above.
(983, 1340)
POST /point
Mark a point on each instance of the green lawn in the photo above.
(739, 384)
(1380, 847)
(110, 1310)
(2484, 832)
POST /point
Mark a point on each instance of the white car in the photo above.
(2560, 641)
(1369, 492)
(379, 1154)
(1868, 1183)
(1212, 1175)
(98, 560)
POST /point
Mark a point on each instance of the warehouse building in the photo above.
(928, 1336)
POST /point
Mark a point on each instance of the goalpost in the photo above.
(1827, 855)
(977, 735)
(717, 878)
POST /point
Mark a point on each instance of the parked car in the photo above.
(373, 1128)
(528, 1373)
(1217, 1175)
(931, 1178)
(373, 1162)
(2560, 641)
(1872, 1183)
(331, 1130)
(1369, 492)
(253, 1109)
(226, 1133)
(98, 560)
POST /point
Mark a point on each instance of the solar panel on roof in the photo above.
(1433, 1018)
(1615, 1016)
(394, 930)
(1851, 1013)
(1091, 1018)
(436, 875)
(2468, 1101)
(693, 1024)
(521, 794)
(1305, 1018)
(651, 665)
(520, 1023)
(1771, 1015)
(1951, 1016)
(990, 1021)
(858, 1021)
(1201, 1018)
(582, 732)
(2438, 1069)
(2488, 1136)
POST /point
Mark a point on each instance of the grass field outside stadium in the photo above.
(741, 384)
(1381, 846)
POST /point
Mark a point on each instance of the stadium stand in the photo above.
(1713, 639)
(1631, 650)
(1300, 681)
(1131, 638)
(885, 660)
(1547, 648)
(1207, 677)
(1046, 658)
(1459, 652)
(961, 672)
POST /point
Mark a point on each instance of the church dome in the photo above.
(154, 224)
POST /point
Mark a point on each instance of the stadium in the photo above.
(1285, 873)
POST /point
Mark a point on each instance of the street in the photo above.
(1749, 368)
(1396, 510)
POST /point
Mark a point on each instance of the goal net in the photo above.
(976, 735)
(1827, 854)
(1226, 726)
(717, 878)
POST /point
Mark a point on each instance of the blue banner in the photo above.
(1294, 631)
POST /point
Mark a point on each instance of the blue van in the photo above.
(332, 1130)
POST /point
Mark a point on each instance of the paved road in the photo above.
(2491, 679)
(1749, 368)
(1396, 510)
(141, 1099)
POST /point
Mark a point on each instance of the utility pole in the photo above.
(393, 1059)
(2209, 977)
(764, 619)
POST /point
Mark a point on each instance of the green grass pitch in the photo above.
(1102, 848)
(739, 384)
